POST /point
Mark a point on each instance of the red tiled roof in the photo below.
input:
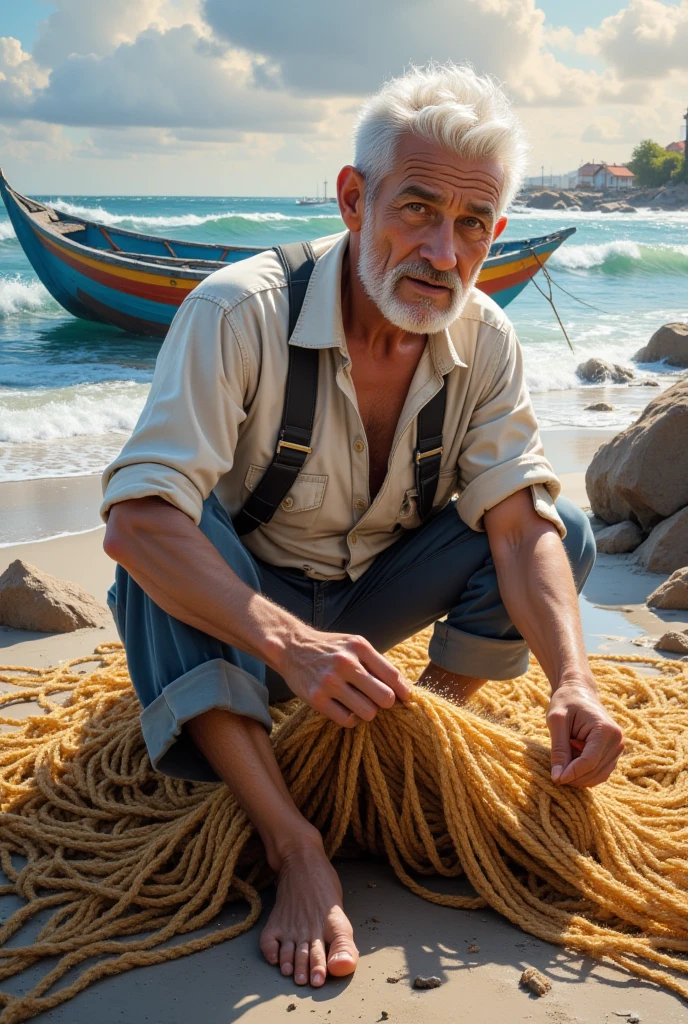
(676, 147)
(587, 170)
(618, 172)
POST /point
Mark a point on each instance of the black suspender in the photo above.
(293, 444)
(428, 454)
(298, 414)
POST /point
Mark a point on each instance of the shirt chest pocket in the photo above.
(408, 513)
(306, 495)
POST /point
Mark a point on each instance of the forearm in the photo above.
(184, 574)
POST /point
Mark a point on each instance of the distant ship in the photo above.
(317, 200)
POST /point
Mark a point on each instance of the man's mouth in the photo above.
(426, 286)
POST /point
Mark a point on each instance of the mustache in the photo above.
(426, 272)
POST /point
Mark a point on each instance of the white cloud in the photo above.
(647, 39)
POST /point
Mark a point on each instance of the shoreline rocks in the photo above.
(599, 371)
(34, 600)
(666, 549)
(619, 539)
(673, 593)
(627, 200)
(668, 344)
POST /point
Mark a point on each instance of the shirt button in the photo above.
(353, 538)
(360, 504)
(359, 446)
(287, 503)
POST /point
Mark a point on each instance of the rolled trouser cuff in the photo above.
(483, 657)
(213, 684)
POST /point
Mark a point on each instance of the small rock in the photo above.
(536, 982)
(666, 549)
(384, 1015)
(597, 371)
(432, 982)
(673, 593)
(35, 600)
(392, 981)
(599, 407)
(619, 538)
(474, 949)
(292, 1006)
(675, 643)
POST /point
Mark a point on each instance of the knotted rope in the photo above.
(122, 859)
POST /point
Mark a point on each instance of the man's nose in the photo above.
(439, 248)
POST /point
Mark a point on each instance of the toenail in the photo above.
(300, 977)
(287, 968)
(318, 977)
(339, 956)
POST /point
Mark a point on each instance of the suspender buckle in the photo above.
(426, 455)
(295, 447)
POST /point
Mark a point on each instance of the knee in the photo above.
(579, 541)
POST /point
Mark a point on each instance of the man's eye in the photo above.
(416, 207)
(473, 222)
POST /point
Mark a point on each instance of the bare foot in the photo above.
(308, 933)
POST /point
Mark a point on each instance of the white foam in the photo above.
(186, 220)
(583, 257)
(18, 296)
(85, 410)
(6, 230)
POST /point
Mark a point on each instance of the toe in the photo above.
(342, 956)
(301, 964)
(286, 957)
(318, 962)
(270, 947)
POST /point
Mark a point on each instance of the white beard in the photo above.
(420, 317)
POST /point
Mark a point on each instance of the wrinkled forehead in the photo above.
(451, 177)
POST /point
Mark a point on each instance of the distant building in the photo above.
(604, 176)
(676, 147)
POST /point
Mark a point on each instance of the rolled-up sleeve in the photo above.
(186, 435)
(502, 452)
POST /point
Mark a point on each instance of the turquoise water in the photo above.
(70, 391)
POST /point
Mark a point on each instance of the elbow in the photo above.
(125, 526)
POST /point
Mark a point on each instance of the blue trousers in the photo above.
(441, 571)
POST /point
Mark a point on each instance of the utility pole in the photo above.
(542, 173)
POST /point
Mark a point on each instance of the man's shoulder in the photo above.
(480, 309)
(250, 278)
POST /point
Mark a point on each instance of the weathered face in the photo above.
(427, 232)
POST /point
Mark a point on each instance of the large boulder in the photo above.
(673, 593)
(599, 371)
(642, 473)
(619, 539)
(674, 642)
(617, 207)
(543, 200)
(669, 343)
(35, 600)
(666, 549)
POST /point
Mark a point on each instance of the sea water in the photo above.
(71, 391)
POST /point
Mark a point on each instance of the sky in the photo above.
(229, 97)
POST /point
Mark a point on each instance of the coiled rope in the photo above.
(123, 859)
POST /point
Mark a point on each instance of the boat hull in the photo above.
(139, 290)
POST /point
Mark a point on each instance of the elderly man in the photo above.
(405, 387)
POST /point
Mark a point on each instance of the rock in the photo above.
(673, 593)
(392, 981)
(675, 643)
(616, 208)
(600, 407)
(536, 982)
(642, 473)
(666, 549)
(474, 948)
(432, 982)
(543, 200)
(35, 600)
(669, 343)
(619, 539)
(597, 371)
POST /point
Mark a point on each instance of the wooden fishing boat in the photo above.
(137, 281)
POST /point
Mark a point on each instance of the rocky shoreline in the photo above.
(668, 197)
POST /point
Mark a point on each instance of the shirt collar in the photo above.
(320, 322)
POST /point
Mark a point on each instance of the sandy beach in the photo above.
(399, 935)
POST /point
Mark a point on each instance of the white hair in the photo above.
(449, 104)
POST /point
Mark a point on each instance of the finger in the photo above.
(558, 725)
(355, 701)
(340, 715)
(596, 750)
(601, 772)
(356, 676)
(384, 670)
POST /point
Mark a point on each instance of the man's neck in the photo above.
(364, 325)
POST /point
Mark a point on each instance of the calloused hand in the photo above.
(341, 675)
(586, 741)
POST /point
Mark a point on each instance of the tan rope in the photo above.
(123, 859)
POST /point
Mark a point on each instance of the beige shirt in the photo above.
(213, 415)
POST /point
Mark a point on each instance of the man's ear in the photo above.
(351, 197)
(499, 227)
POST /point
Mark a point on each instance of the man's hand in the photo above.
(586, 741)
(340, 675)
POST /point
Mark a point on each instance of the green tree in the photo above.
(652, 165)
